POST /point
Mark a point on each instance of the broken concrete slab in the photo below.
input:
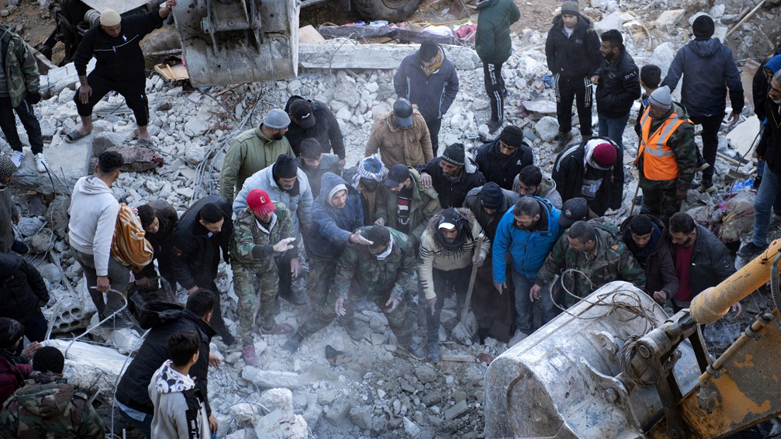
(670, 17)
(90, 367)
(277, 399)
(336, 55)
(612, 21)
(282, 424)
(743, 135)
(67, 163)
(540, 107)
(56, 80)
(270, 379)
(456, 411)
(337, 412)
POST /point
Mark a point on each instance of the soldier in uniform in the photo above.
(264, 230)
(47, 406)
(382, 272)
(589, 255)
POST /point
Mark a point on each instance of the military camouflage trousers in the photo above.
(659, 198)
(323, 315)
(322, 273)
(243, 285)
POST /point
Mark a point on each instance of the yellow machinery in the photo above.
(613, 366)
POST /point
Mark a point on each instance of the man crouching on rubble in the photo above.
(382, 271)
(132, 396)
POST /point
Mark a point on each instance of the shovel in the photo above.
(463, 330)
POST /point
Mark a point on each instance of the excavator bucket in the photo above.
(236, 41)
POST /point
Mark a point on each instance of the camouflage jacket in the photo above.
(21, 71)
(682, 143)
(610, 261)
(374, 276)
(248, 233)
(47, 408)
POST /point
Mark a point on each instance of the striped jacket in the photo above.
(129, 247)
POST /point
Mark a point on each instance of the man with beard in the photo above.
(366, 178)
(501, 160)
(530, 181)
(158, 218)
(667, 157)
(494, 315)
(453, 175)
(285, 183)
(590, 170)
(253, 150)
(701, 260)
(528, 233)
(314, 163)
(645, 237)
(400, 136)
(447, 253)
(572, 50)
(337, 217)
(618, 86)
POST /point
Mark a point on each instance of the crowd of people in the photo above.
(404, 228)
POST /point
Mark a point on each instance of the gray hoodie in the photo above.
(93, 216)
(547, 190)
(179, 409)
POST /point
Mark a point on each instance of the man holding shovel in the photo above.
(449, 248)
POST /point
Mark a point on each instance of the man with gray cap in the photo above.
(708, 70)
(9, 214)
(119, 67)
(253, 150)
(401, 136)
(666, 158)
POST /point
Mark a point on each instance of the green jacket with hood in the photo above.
(492, 42)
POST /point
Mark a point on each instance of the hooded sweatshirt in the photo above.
(93, 216)
(180, 412)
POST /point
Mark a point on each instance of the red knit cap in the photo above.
(259, 201)
(605, 154)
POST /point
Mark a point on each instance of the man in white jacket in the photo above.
(93, 217)
(180, 412)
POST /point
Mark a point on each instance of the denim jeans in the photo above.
(613, 129)
(145, 426)
(766, 196)
(524, 307)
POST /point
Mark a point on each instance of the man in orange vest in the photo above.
(667, 158)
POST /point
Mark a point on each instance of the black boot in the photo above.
(292, 343)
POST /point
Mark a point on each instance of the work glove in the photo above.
(33, 98)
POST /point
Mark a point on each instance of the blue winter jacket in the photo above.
(528, 249)
(332, 227)
(708, 69)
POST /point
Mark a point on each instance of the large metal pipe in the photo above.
(713, 303)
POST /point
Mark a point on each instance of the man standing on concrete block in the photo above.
(429, 80)
(401, 136)
(93, 217)
(618, 85)
(158, 218)
(19, 86)
(701, 260)
(530, 181)
(589, 169)
(527, 233)
(313, 120)
(447, 254)
(572, 49)
(381, 272)
(452, 175)
(667, 157)
(314, 164)
(166, 319)
(119, 68)
(769, 149)
(253, 150)
(502, 159)
(494, 46)
(264, 234)
(201, 235)
(708, 69)
(404, 204)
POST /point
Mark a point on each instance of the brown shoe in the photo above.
(248, 353)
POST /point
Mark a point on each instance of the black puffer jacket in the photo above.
(132, 388)
(576, 56)
(453, 193)
(770, 145)
(22, 288)
(619, 86)
(710, 263)
(500, 169)
(118, 59)
(569, 169)
(196, 255)
(326, 130)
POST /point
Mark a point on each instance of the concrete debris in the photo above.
(336, 55)
(277, 399)
(612, 21)
(270, 378)
(547, 128)
(411, 428)
(243, 412)
(456, 411)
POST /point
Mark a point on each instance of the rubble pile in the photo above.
(366, 391)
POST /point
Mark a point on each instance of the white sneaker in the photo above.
(517, 338)
(17, 157)
(40, 162)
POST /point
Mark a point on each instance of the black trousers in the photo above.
(134, 92)
(26, 114)
(433, 131)
(567, 90)
(494, 87)
(710, 140)
(444, 282)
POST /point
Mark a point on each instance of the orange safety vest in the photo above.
(659, 163)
